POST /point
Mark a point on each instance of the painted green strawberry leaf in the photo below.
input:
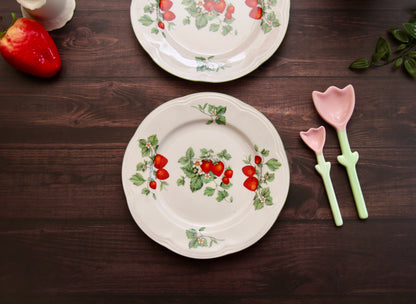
(137, 179)
(273, 164)
(196, 183)
(209, 191)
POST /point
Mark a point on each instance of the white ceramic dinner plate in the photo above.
(205, 175)
(210, 40)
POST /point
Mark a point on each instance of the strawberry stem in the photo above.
(13, 21)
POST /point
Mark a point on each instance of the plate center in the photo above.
(198, 195)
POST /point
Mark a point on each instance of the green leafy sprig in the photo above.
(404, 53)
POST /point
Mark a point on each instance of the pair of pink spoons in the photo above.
(336, 106)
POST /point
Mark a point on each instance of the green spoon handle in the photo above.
(349, 160)
(323, 168)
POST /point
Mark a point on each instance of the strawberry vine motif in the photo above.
(206, 64)
(198, 239)
(158, 15)
(216, 13)
(152, 166)
(209, 171)
(263, 10)
(258, 177)
(215, 113)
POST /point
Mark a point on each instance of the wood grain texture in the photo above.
(66, 233)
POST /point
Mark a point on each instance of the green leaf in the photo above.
(258, 204)
(193, 243)
(152, 139)
(401, 47)
(141, 167)
(410, 66)
(226, 29)
(209, 191)
(145, 191)
(265, 192)
(400, 35)
(273, 164)
(191, 234)
(187, 2)
(265, 152)
(360, 64)
(214, 27)
(410, 28)
(196, 183)
(220, 120)
(412, 54)
(183, 160)
(221, 195)
(398, 62)
(201, 229)
(137, 179)
(224, 154)
(180, 181)
(189, 172)
(155, 30)
(383, 50)
(146, 20)
(201, 21)
(269, 201)
(226, 186)
(221, 110)
(142, 143)
(190, 153)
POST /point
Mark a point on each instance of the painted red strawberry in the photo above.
(251, 183)
(225, 180)
(162, 174)
(249, 170)
(161, 25)
(228, 173)
(206, 166)
(228, 15)
(231, 9)
(153, 184)
(257, 159)
(28, 47)
(168, 16)
(220, 6)
(165, 5)
(256, 12)
(218, 168)
(209, 5)
(160, 161)
(252, 3)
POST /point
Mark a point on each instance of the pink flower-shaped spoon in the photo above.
(315, 139)
(336, 106)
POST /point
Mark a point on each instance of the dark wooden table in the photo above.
(66, 234)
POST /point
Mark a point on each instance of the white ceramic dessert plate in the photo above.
(205, 175)
(210, 40)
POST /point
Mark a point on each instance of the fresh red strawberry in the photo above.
(252, 3)
(165, 5)
(256, 12)
(168, 16)
(220, 6)
(228, 173)
(249, 170)
(257, 159)
(206, 166)
(251, 183)
(231, 9)
(153, 184)
(161, 25)
(218, 168)
(162, 174)
(225, 180)
(28, 47)
(160, 161)
(209, 5)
